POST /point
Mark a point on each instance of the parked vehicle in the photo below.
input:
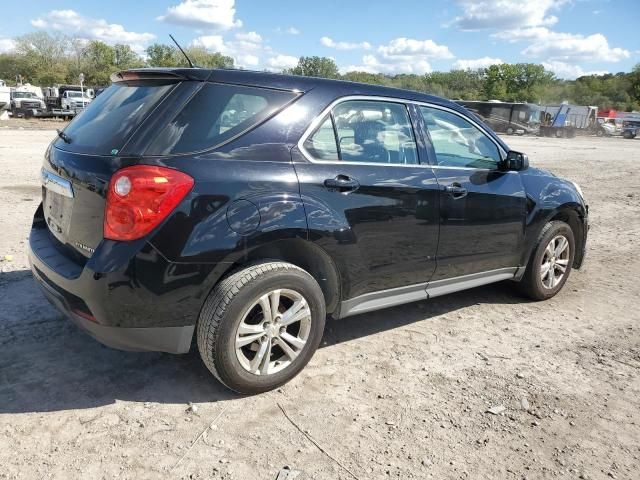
(568, 120)
(630, 129)
(66, 100)
(5, 96)
(506, 117)
(26, 104)
(607, 127)
(27, 87)
(243, 207)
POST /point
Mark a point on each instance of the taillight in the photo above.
(140, 197)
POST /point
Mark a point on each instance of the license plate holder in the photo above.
(57, 203)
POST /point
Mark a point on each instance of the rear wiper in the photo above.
(63, 136)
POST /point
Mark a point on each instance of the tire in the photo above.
(536, 286)
(236, 300)
(509, 131)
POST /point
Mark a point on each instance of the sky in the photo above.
(569, 37)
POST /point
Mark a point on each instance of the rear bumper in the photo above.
(126, 295)
(154, 339)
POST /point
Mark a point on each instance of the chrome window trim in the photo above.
(318, 120)
(501, 150)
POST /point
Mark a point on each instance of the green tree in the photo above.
(201, 57)
(99, 63)
(126, 58)
(366, 77)
(160, 55)
(45, 57)
(315, 67)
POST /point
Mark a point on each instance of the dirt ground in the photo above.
(400, 393)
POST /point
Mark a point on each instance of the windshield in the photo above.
(108, 121)
(73, 94)
(24, 95)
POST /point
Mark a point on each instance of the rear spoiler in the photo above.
(167, 74)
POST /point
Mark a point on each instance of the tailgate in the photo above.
(73, 197)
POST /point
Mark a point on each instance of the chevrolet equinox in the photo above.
(241, 208)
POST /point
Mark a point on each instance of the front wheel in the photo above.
(550, 263)
(260, 326)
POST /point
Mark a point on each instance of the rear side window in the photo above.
(104, 127)
(322, 144)
(216, 114)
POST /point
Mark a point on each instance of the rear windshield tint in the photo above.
(216, 114)
(109, 120)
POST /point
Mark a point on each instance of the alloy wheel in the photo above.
(555, 262)
(273, 332)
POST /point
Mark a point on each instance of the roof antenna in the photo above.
(185, 55)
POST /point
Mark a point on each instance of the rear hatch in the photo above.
(144, 115)
(79, 164)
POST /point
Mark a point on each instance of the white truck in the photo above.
(5, 97)
(66, 100)
(26, 104)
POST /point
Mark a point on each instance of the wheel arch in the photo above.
(573, 215)
(303, 254)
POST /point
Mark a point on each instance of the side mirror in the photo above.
(516, 161)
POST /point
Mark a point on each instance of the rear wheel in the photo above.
(260, 326)
(550, 263)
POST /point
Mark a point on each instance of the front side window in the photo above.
(458, 143)
(365, 131)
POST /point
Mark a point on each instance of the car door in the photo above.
(482, 207)
(370, 203)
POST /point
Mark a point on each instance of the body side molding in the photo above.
(423, 291)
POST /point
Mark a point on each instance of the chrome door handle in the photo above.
(456, 190)
(342, 183)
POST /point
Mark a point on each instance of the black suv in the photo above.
(243, 207)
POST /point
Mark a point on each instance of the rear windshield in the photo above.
(216, 114)
(108, 121)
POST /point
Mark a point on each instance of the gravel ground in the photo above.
(400, 393)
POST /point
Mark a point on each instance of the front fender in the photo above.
(550, 198)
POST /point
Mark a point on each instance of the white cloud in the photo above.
(565, 47)
(247, 61)
(473, 64)
(247, 50)
(214, 43)
(281, 62)
(410, 47)
(572, 47)
(288, 31)
(71, 22)
(505, 14)
(6, 45)
(570, 71)
(251, 37)
(372, 64)
(402, 55)
(329, 42)
(213, 15)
